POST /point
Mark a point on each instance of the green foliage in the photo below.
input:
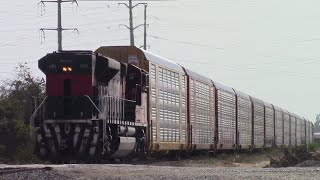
(316, 124)
(24, 152)
(16, 97)
(314, 147)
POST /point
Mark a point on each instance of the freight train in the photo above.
(122, 101)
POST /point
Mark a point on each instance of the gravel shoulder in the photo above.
(230, 166)
(169, 172)
(125, 171)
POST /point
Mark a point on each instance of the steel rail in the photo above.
(18, 170)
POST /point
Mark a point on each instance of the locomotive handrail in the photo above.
(93, 103)
(34, 114)
(119, 98)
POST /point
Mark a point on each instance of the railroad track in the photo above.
(23, 169)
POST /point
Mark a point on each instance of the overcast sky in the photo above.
(269, 49)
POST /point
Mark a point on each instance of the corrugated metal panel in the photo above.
(199, 77)
(303, 131)
(154, 101)
(279, 126)
(286, 128)
(224, 87)
(162, 61)
(201, 109)
(293, 129)
(307, 132)
(168, 105)
(183, 108)
(126, 54)
(226, 115)
(138, 57)
(258, 122)
(298, 130)
(244, 95)
(244, 119)
(269, 113)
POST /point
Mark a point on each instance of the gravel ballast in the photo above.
(125, 171)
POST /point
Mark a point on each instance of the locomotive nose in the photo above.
(69, 108)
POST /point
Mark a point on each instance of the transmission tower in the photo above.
(130, 27)
(59, 29)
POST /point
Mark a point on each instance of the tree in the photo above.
(317, 124)
(16, 97)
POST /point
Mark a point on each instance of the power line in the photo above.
(59, 29)
(287, 59)
(232, 68)
(183, 42)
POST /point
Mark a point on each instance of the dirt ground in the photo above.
(242, 159)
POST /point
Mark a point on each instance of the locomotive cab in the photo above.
(68, 81)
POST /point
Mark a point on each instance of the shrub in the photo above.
(314, 147)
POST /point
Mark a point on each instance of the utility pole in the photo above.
(145, 27)
(59, 26)
(59, 29)
(131, 28)
(131, 24)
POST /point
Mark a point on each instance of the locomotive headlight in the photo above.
(66, 69)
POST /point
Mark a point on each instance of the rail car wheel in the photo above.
(174, 155)
(212, 154)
